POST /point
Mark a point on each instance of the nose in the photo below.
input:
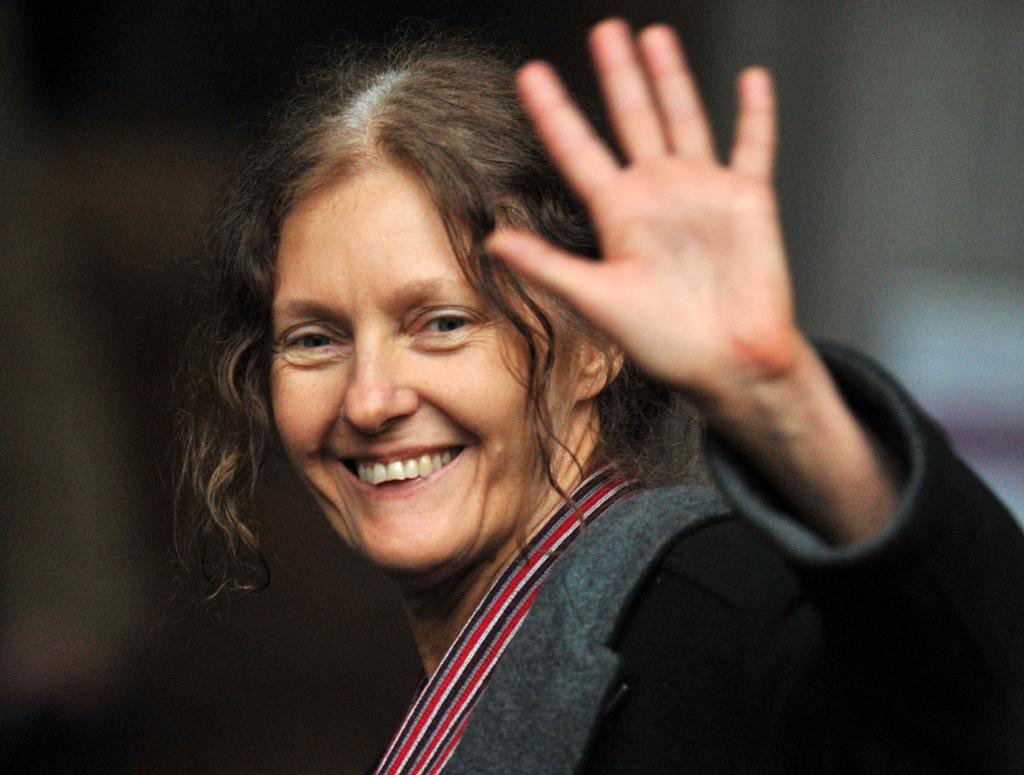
(375, 397)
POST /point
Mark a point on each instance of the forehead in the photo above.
(377, 229)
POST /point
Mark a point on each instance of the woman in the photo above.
(405, 299)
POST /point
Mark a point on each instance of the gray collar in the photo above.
(547, 693)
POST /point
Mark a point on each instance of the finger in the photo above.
(627, 95)
(686, 124)
(577, 151)
(566, 275)
(753, 152)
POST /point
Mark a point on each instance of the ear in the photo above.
(596, 367)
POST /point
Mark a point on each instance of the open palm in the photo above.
(693, 282)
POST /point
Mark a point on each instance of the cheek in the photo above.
(305, 406)
(492, 401)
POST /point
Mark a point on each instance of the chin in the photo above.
(413, 565)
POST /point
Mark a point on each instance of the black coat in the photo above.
(686, 634)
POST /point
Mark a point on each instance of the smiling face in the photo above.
(398, 395)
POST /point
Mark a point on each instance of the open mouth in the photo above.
(377, 472)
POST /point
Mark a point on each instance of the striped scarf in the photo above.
(443, 705)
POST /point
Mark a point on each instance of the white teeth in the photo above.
(426, 467)
(398, 470)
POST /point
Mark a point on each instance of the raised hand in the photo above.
(693, 282)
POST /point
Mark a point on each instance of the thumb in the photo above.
(537, 260)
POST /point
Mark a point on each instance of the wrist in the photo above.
(799, 433)
(779, 400)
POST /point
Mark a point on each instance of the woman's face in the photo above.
(398, 396)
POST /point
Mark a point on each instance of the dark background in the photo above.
(900, 180)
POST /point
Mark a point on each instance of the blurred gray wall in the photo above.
(902, 181)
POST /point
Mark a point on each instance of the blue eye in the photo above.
(311, 341)
(444, 325)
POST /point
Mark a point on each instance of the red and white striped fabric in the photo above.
(443, 705)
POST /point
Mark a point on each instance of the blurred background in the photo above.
(902, 190)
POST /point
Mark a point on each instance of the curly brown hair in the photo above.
(446, 110)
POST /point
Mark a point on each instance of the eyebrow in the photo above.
(407, 295)
(303, 308)
(419, 290)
